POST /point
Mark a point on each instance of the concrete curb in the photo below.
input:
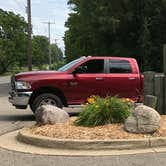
(157, 142)
(10, 142)
(116, 144)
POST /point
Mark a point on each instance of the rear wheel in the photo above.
(46, 99)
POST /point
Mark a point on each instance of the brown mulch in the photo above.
(106, 132)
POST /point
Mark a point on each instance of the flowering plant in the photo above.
(101, 111)
(128, 101)
(91, 99)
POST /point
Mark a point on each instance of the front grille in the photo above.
(12, 82)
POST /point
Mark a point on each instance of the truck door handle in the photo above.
(99, 78)
(131, 78)
(73, 83)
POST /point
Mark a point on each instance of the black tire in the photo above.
(42, 100)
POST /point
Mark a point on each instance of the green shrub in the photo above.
(57, 65)
(101, 111)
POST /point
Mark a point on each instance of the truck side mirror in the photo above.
(79, 69)
(74, 73)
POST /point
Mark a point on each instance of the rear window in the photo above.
(119, 66)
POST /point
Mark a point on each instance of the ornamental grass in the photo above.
(101, 111)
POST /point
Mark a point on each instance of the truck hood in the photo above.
(37, 75)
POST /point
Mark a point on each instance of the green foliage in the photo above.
(13, 45)
(57, 65)
(132, 28)
(40, 47)
(12, 40)
(56, 53)
(148, 25)
(103, 111)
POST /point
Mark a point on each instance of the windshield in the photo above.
(70, 64)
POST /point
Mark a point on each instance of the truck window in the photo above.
(119, 66)
(70, 64)
(93, 66)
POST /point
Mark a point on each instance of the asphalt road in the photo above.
(12, 119)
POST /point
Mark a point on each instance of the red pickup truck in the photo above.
(73, 83)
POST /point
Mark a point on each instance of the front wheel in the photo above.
(46, 99)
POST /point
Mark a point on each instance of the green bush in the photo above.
(57, 65)
(101, 111)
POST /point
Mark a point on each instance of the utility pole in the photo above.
(49, 39)
(29, 51)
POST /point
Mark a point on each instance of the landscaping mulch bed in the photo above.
(106, 132)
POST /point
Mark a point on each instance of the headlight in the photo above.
(22, 85)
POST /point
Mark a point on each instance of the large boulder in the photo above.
(48, 114)
(143, 119)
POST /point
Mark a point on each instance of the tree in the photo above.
(40, 46)
(148, 27)
(92, 28)
(56, 53)
(129, 28)
(12, 40)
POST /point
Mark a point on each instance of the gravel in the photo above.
(111, 131)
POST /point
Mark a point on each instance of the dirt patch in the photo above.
(106, 132)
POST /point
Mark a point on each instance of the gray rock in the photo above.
(144, 119)
(48, 114)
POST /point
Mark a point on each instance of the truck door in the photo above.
(88, 80)
(121, 79)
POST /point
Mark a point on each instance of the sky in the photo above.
(55, 11)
